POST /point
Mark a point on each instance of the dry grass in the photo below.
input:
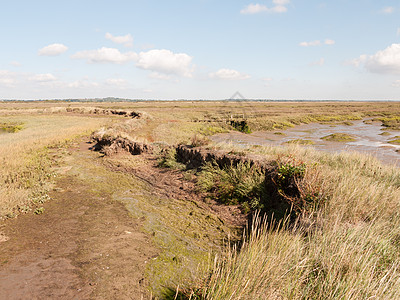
(347, 249)
(25, 166)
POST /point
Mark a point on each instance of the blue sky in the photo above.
(200, 49)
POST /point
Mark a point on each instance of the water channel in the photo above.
(368, 138)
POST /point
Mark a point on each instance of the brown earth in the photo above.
(86, 245)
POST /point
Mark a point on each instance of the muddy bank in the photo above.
(368, 138)
(111, 145)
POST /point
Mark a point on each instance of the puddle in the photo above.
(368, 139)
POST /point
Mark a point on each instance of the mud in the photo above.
(84, 246)
(368, 139)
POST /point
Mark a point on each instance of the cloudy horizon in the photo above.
(275, 49)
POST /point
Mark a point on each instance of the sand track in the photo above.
(84, 246)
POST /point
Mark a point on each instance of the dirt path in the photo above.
(84, 246)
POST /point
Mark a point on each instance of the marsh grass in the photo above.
(300, 142)
(346, 247)
(241, 184)
(339, 137)
(11, 127)
(395, 140)
(26, 157)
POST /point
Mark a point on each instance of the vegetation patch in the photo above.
(199, 140)
(385, 133)
(11, 127)
(241, 126)
(167, 159)
(395, 141)
(241, 184)
(392, 123)
(211, 130)
(339, 137)
(280, 133)
(300, 142)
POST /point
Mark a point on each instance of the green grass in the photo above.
(11, 127)
(385, 133)
(300, 142)
(345, 246)
(395, 140)
(279, 133)
(391, 123)
(339, 137)
(241, 184)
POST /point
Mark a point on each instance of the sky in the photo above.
(200, 49)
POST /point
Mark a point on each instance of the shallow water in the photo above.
(368, 139)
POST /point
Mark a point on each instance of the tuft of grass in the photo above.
(199, 140)
(300, 142)
(385, 133)
(339, 137)
(241, 126)
(395, 140)
(11, 127)
(211, 130)
(280, 133)
(241, 184)
(167, 159)
(391, 123)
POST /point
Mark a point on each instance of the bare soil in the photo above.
(84, 246)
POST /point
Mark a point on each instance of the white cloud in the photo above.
(84, 83)
(156, 75)
(8, 82)
(105, 55)
(319, 62)
(387, 10)
(385, 61)
(43, 77)
(279, 7)
(308, 44)
(116, 82)
(317, 43)
(228, 74)
(15, 63)
(281, 2)
(126, 40)
(267, 81)
(53, 50)
(396, 83)
(329, 42)
(7, 78)
(166, 62)
(253, 9)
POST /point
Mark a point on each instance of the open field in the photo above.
(327, 227)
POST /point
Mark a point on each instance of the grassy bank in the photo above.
(347, 248)
(26, 166)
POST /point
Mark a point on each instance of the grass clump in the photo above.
(280, 133)
(11, 127)
(167, 159)
(211, 130)
(339, 137)
(199, 140)
(395, 141)
(241, 126)
(392, 123)
(300, 142)
(241, 184)
(385, 133)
